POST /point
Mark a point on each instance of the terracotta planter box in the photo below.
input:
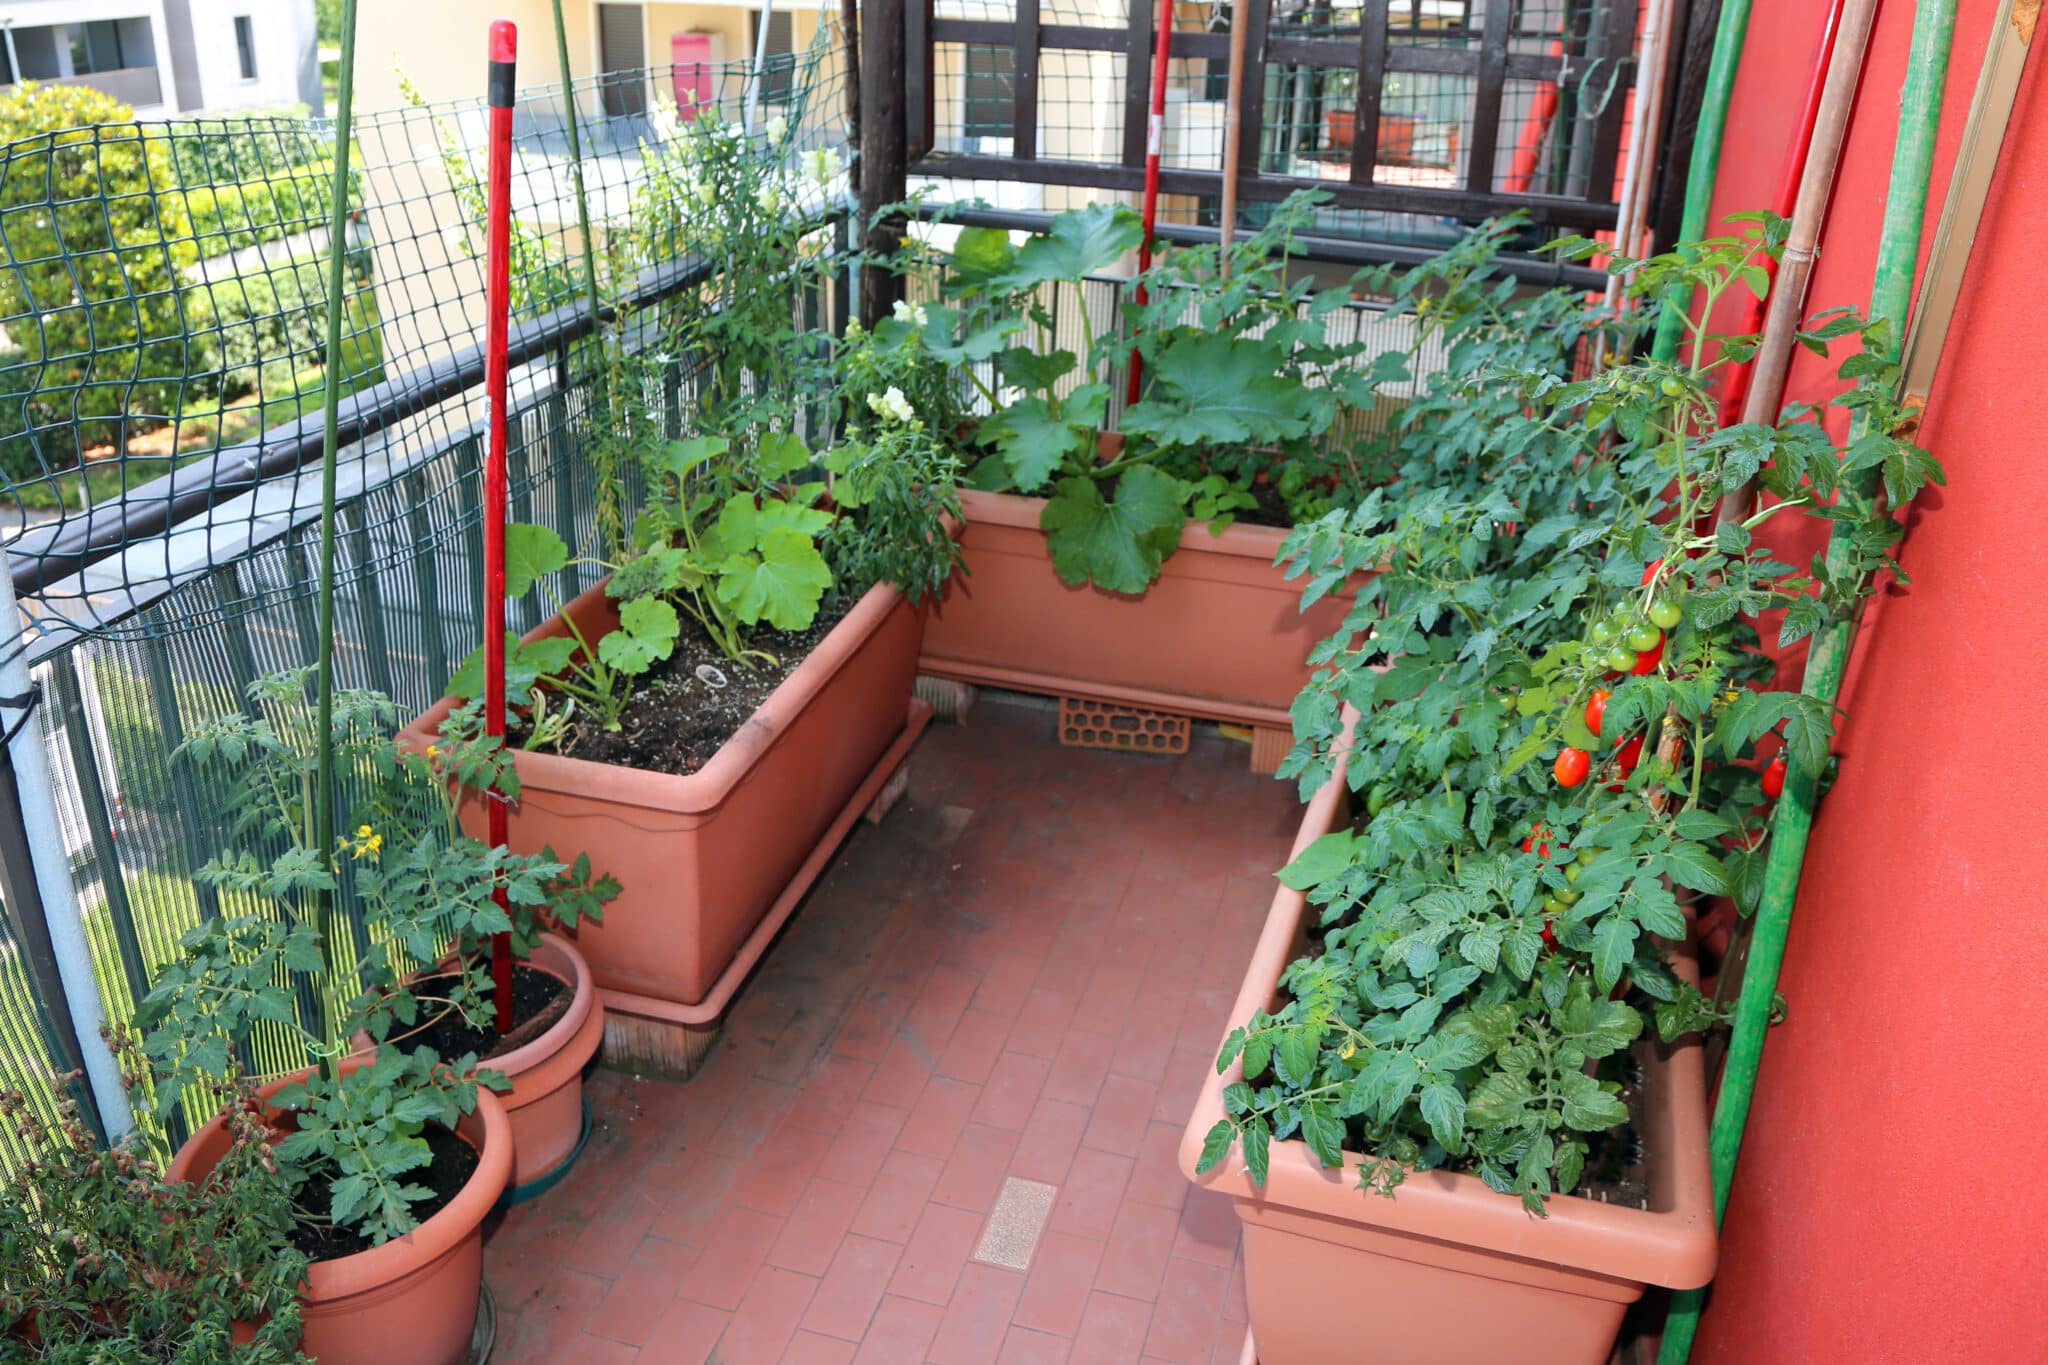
(703, 860)
(413, 1300)
(1476, 1280)
(1220, 635)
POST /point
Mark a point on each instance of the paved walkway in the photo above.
(1020, 976)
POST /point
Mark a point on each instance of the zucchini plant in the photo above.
(1240, 377)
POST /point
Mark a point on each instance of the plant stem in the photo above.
(334, 373)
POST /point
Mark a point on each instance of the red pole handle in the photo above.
(497, 303)
(1155, 143)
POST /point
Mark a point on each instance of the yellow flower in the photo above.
(1349, 1048)
(375, 843)
(363, 831)
(433, 751)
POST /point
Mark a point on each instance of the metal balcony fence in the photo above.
(1418, 117)
(162, 318)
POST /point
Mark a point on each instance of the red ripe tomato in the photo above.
(1571, 767)
(1596, 706)
(1650, 570)
(1774, 777)
(1538, 841)
(1549, 939)
(1648, 659)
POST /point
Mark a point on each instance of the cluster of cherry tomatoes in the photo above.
(1555, 903)
(1631, 646)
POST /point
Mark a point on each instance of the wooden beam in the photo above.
(884, 150)
(1137, 83)
(1486, 102)
(1024, 83)
(1251, 131)
(1372, 74)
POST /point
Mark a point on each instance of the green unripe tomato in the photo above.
(1554, 907)
(1665, 615)
(1585, 856)
(1569, 897)
(1376, 800)
(1671, 387)
(1621, 659)
(1573, 868)
(1600, 632)
(1643, 636)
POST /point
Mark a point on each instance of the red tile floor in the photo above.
(1022, 972)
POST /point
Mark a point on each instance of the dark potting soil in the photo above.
(538, 999)
(455, 1161)
(1271, 511)
(678, 719)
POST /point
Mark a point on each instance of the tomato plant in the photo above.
(1463, 979)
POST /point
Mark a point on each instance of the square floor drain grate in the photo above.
(1014, 1223)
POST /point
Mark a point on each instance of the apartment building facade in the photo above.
(167, 57)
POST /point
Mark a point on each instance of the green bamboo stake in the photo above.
(576, 169)
(337, 258)
(1705, 165)
(1891, 295)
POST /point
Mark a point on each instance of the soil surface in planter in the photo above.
(455, 1161)
(538, 999)
(676, 721)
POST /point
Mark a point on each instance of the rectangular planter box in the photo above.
(701, 859)
(1448, 1271)
(1220, 635)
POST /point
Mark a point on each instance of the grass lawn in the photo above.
(201, 430)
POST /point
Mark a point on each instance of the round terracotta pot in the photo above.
(413, 1300)
(545, 1103)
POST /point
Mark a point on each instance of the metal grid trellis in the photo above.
(169, 558)
(1419, 117)
(162, 305)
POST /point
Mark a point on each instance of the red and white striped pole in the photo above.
(497, 302)
(1155, 142)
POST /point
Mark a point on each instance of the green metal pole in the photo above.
(576, 168)
(337, 261)
(1891, 295)
(1706, 161)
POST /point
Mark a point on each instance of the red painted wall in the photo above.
(1892, 1199)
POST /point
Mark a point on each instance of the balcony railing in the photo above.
(132, 85)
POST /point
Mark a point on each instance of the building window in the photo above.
(96, 46)
(245, 45)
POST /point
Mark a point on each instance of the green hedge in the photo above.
(96, 233)
(230, 217)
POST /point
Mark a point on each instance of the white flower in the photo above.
(891, 404)
(661, 120)
(707, 193)
(911, 313)
(777, 126)
(769, 198)
(822, 164)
